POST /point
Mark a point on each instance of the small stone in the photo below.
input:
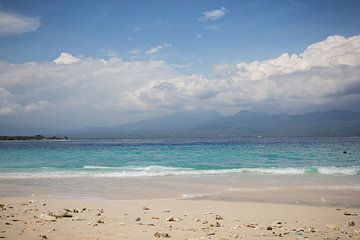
(277, 224)
(356, 233)
(137, 219)
(210, 233)
(217, 224)
(346, 213)
(100, 221)
(160, 235)
(172, 219)
(269, 228)
(60, 214)
(146, 208)
(251, 225)
(333, 227)
(351, 223)
(43, 237)
(218, 217)
(47, 218)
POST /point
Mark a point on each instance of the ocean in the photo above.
(177, 167)
(160, 157)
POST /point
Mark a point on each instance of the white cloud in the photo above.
(156, 49)
(37, 106)
(7, 106)
(213, 14)
(324, 73)
(111, 91)
(65, 58)
(135, 52)
(11, 23)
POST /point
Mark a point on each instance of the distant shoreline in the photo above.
(35, 137)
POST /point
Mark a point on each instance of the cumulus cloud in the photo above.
(66, 58)
(90, 92)
(156, 49)
(320, 76)
(107, 92)
(11, 23)
(213, 14)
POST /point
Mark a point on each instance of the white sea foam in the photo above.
(339, 170)
(153, 171)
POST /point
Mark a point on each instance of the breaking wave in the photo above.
(153, 171)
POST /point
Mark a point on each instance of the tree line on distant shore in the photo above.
(35, 137)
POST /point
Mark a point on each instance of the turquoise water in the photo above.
(160, 157)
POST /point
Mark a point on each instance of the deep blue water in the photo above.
(157, 157)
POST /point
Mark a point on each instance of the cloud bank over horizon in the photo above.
(74, 91)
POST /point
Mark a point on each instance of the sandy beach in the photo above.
(39, 218)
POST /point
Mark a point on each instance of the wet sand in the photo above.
(330, 191)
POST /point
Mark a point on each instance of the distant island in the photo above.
(35, 137)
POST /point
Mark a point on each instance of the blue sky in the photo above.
(249, 30)
(70, 64)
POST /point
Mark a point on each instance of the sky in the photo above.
(71, 64)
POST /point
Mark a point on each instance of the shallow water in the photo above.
(162, 157)
(292, 170)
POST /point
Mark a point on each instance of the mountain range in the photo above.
(243, 124)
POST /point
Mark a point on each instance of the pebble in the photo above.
(356, 233)
(269, 228)
(251, 225)
(351, 223)
(333, 226)
(218, 217)
(61, 213)
(159, 235)
(277, 224)
(217, 224)
(47, 218)
(137, 219)
(172, 219)
(146, 208)
(346, 213)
